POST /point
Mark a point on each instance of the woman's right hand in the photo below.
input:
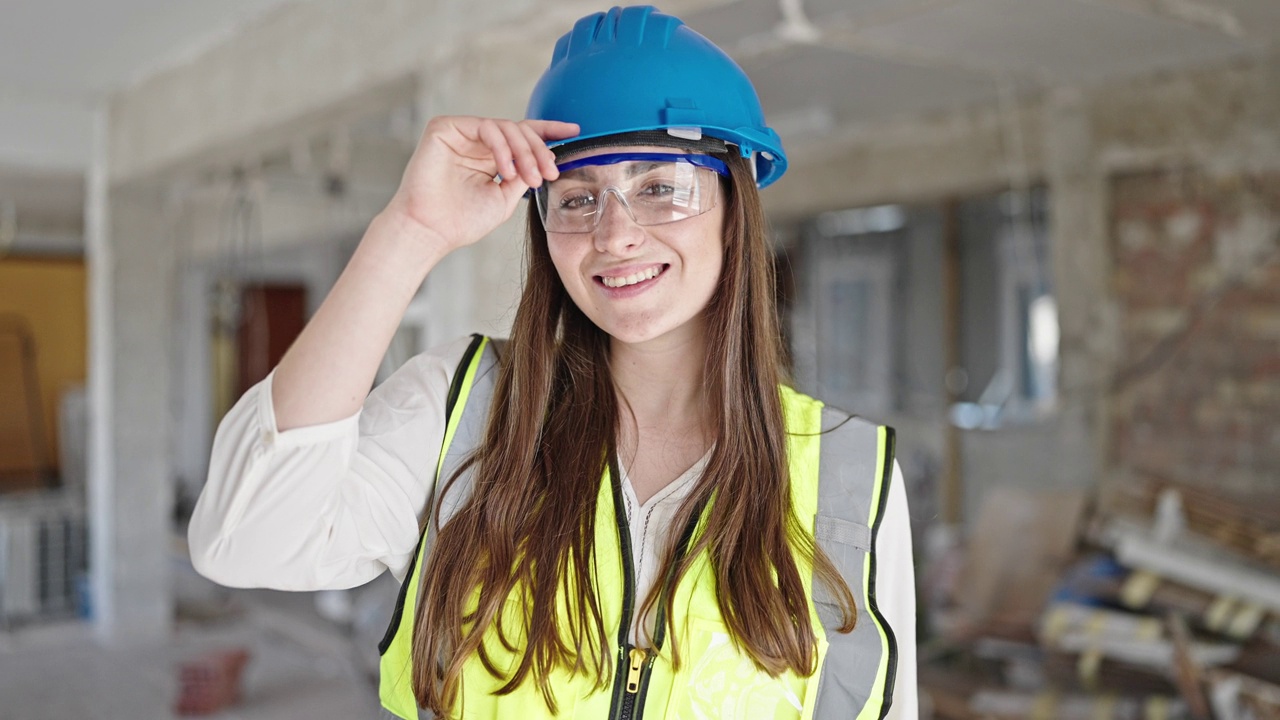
(447, 199)
(448, 192)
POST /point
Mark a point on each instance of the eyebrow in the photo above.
(579, 173)
(641, 168)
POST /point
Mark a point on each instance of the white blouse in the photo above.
(335, 505)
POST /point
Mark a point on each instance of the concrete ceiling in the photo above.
(810, 58)
(83, 48)
(59, 58)
(818, 64)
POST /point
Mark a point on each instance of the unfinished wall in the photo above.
(1221, 122)
(1197, 278)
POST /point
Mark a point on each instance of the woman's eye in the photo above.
(577, 201)
(657, 190)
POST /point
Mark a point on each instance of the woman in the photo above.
(620, 510)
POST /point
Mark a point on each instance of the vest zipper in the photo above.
(623, 696)
(636, 676)
(631, 688)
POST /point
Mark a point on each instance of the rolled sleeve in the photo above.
(324, 506)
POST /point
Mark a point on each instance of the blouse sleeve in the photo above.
(327, 506)
(896, 591)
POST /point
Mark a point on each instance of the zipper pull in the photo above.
(638, 656)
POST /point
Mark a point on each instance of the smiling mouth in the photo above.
(634, 278)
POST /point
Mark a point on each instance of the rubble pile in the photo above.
(1164, 605)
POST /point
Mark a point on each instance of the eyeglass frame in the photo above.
(703, 161)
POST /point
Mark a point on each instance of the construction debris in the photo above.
(1165, 604)
(211, 682)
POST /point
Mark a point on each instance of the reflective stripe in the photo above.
(855, 461)
(466, 432)
(854, 471)
(475, 374)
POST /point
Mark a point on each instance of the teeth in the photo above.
(632, 279)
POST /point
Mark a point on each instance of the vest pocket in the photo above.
(716, 680)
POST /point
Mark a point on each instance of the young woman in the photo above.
(623, 511)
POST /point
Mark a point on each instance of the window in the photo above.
(1009, 317)
(869, 317)
(843, 324)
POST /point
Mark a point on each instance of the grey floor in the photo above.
(301, 665)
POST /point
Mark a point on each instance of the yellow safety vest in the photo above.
(715, 680)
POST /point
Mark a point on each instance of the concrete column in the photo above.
(129, 490)
(99, 473)
(1082, 278)
(141, 497)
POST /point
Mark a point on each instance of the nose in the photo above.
(617, 232)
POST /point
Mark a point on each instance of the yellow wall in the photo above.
(50, 296)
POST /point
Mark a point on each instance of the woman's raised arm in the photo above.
(448, 198)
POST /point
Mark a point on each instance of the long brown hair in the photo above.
(554, 423)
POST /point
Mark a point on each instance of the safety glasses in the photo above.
(654, 189)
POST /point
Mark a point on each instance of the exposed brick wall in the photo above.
(1197, 277)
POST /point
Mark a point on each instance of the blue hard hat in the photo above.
(636, 69)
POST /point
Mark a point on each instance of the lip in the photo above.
(629, 290)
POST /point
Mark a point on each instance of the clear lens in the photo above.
(653, 188)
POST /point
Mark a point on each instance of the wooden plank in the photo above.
(1186, 671)
(1134, 639)
(1002, 704)
(952, 486)
(1193, 561)
(1021, 545)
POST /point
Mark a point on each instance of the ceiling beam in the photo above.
(44, 134)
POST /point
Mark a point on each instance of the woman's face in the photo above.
(641, 283)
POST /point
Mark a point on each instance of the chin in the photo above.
(632, 338)
(629, 335)
(643, 332)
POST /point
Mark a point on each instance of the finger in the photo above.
(545, 157)
(512, 190)
(554, 129)
(525, 160)
(494, 139)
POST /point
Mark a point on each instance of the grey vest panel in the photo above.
(466, 438)
(847, 472)
(846, 489)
